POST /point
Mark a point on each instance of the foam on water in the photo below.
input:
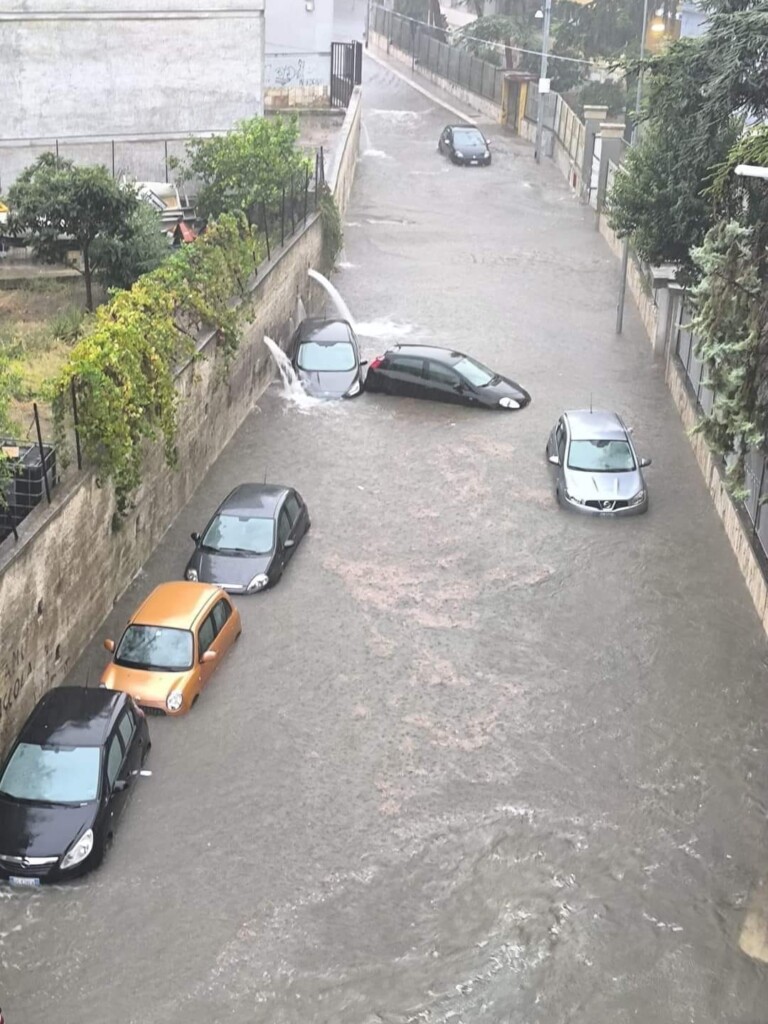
(384, 328)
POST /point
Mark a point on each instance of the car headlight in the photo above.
(174, 700)
(637, 499)
(509, 403)
(191, 574)
(459, 153)
(354, 390)
(258, 583)
(78, 851)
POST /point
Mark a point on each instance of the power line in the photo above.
(492, 44)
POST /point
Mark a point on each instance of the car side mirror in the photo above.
(109, 645)
(208, 657)
(120, 785)
(555, 460)
(363, 362)
(289, 543)
(195, 537)
(645, 462)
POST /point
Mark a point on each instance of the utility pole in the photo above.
(625, 248)
(543, 77)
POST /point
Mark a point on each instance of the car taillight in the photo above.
(376, 363)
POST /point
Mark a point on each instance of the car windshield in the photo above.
(339, 356)
(239, 535)
(601, 456)
(474, 372)
(467, 138)
(159, 648)
(52, 775)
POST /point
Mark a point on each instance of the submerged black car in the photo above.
(425, 371)
(326, 358)
(65, 783)
(465, 145)
(250, 539)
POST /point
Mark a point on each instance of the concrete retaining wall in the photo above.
(69, 567)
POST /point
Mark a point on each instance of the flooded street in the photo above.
(474, 759)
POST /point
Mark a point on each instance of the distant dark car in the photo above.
(65, 783)
(250, 539)
(425, 371)
(326, 358)
(465, 145)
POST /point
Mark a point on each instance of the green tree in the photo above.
(246, 167)
(54, 203)
(136, 248)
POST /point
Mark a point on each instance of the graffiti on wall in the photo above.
(297, 70)
(17, 674)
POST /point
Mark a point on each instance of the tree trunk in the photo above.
(87, 276)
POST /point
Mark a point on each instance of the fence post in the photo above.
(266, 228)
(306, 195)
(76, 421)
(293, 207)
(42, 452)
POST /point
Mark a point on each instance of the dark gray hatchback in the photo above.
(326, 358)
(250, 539)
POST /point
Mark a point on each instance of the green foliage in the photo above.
(67, 325)
(603, 28)
(729, 303)
(246, 167)
(136, 248)
(333, 234)
(609, 93)
(9, 385)
(123, 368)
(660, 198)
(54, 203)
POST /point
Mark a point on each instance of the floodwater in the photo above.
(474, 759)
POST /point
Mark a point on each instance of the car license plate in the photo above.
(18, 880)
(473, 161)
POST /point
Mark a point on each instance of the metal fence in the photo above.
(559, 121)
(454, 63)
(755, 504)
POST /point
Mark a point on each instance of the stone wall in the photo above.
(69, 567)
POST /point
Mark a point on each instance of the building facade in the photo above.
(298, 51)
(125, 82)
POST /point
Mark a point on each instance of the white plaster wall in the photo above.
(88, 69)
(298, 43)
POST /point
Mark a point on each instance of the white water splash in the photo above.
(346, 265)
(291, 386)
(384, 328)
(341, 307)
(375, 152)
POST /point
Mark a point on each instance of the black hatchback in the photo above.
(443, 375)
(250, 538)
(465, 144)
(65, 783)
(326, 358)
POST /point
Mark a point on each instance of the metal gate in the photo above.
(346, 71)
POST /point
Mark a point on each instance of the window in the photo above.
(206, 635)
(340, 356)
(54, 775)
(441, 374)
(221, 613)
(114, 759)
(159, 648)
(560, 440)
(601, 456)
(239, 535)
(406, 364)
(283, 527)
(125, 727)
(293, 508)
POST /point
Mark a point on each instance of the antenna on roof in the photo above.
(590, 401)
(87, 676)
(265, 474)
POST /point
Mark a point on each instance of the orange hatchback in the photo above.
(172, 645)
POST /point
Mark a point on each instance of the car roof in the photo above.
(73, 716)
(586, 424)
(255, 499)
(325, 331)
(446, 355)
(176, 604)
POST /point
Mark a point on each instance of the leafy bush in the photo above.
(67, 324)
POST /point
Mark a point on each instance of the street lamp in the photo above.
(751, 171)
(543, 80)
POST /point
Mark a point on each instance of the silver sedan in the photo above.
(598, 470)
